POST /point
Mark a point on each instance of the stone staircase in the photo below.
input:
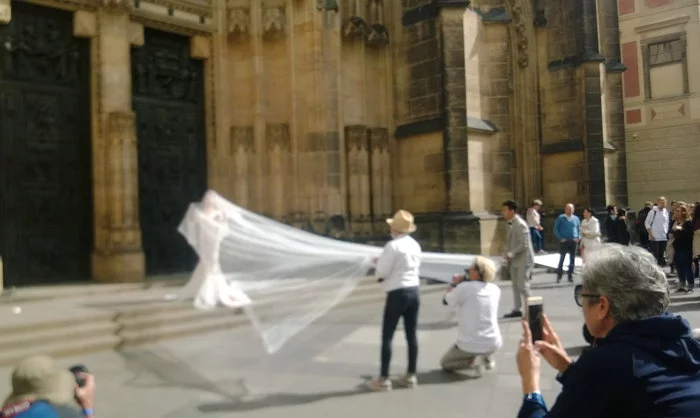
(69, 326)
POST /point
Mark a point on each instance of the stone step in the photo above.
(72, 291)
(199, 323)
(157, 306)
(79, 332)
(60, 349)
(73, 332)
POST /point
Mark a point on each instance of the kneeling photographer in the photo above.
(42, 389)
(475, 300)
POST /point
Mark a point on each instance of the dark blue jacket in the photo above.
(642, 369)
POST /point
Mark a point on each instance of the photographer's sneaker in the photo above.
(408, 381)
(489, 363)
(476, 370)
(379, 384)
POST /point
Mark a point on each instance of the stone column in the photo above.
(358, 168)
(525, 119)
(591, 68)
(381, 178)
(316, 97)
(5, 12)
(118, 254)
(455, 135)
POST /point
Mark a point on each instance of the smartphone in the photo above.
(534, 316)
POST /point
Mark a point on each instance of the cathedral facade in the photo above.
(325, 114)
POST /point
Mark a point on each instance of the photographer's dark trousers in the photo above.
(566, 247)
(405, 303)
(658, 248)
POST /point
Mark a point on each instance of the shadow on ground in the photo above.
(433, 377)
(164, 369)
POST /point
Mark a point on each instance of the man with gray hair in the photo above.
(644, 362)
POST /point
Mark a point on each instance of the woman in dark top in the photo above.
(622, 231)
(682, 231)
(610, 225)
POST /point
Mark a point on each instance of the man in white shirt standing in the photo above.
(476, 300)
(656, 223)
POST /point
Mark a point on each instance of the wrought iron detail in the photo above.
(169, 105)
(45, 155)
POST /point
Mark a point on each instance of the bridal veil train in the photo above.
(247, 260)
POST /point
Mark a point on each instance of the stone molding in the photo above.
(242, 139)
(277, 136)
(117, 6)
(238, 22)
(84, 24)
(355, 28)
(274, 20)
(356, 138)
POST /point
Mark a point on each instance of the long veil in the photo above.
(297, 275)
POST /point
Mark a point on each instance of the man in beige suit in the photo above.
(519, 256)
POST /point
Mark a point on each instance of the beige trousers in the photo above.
(456, 359)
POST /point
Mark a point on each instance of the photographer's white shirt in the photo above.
(399, 264)
(476, 303)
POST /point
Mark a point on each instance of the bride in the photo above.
(205, 226)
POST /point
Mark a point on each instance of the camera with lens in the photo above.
(77, 370)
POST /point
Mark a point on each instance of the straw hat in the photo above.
(39, 377)
(402, 222)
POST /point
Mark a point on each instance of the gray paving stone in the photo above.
(322, 371)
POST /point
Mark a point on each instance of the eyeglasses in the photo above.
(579, 295)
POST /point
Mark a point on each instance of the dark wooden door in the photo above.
(45, 151)
(169, 104)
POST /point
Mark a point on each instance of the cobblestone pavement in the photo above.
(322, 371)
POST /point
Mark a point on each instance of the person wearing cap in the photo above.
(42, 389)
(398, 271)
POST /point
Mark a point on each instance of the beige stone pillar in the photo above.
(5, 12)
(118, 254)
(358, 169)
(525, 120)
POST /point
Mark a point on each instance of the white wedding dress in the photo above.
(590, 236)
(205, 228)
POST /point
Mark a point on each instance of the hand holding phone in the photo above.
(534, 316)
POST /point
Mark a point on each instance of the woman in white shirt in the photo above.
(590, 233)
(478, 335)
(398, 272)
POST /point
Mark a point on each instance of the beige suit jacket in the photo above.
(518, 243)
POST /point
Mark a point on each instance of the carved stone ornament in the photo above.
(274, 21)
(242, 139)
(521, 42)
(379, 139)
(123, 6)
(354, 28)
(277, 137)
(356, 138)
(378, 35)
(238, 22)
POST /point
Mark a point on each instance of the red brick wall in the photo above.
(630, 78)
(657, 3)
(625, 6)
(633, 116)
